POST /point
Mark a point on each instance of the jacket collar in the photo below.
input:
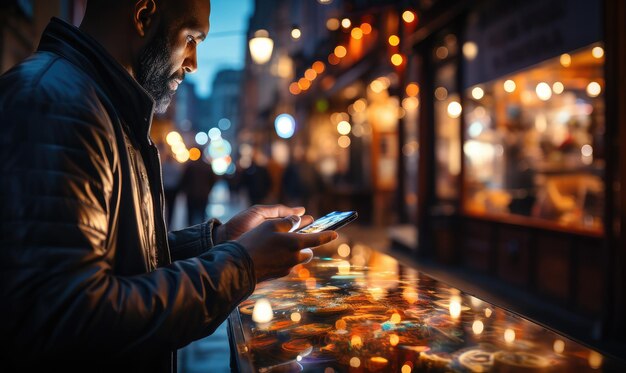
(133, 103)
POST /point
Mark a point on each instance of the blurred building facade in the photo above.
(23, 21)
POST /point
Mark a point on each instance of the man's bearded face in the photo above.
(154, 71)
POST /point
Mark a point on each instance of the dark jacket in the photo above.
(89, 278)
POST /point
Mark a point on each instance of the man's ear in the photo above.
(143, 15)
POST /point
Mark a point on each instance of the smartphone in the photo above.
(330, 222)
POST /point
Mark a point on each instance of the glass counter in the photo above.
(358, 310)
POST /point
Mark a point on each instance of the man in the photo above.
(90, 279)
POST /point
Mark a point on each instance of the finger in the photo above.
(313, 239)
(297, 224)
(306, 220)
(278, 211)
(305, 256)
(287, 224)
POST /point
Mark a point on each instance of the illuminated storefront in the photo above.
(518, 177)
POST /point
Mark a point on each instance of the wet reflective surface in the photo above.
(361, 310)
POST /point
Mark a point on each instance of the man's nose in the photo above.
(190, 64)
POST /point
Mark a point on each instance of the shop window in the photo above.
(533, 142)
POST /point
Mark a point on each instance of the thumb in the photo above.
(305, 256)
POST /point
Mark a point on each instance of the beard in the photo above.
(153, 70)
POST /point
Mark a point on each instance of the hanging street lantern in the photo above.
(261, 47)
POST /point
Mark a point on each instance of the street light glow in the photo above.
(296, 33)
(285, 126)
(202, 138)
(261, 47)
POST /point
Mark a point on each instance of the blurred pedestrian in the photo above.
(196, 183)
(275, 171)
(234, 186)
(256, 180)
(172, 174)
(91, 279)
(301, 183)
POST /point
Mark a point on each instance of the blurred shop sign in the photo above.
(507, 36)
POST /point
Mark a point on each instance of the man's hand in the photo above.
(275, 250)
(250, 219)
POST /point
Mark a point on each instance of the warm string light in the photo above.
(304, 83)
(408, 16)
(470, 50)
(341, 51)
(332, 24)
(294, 88)
(194, 154)
(597, 52)
(394, 40)
(397, 59)
(509, 86)
(356, 33)
(558, 88)
(544, 91)
(478, 93)
(412, 89)
(319, 67)
(310, 74)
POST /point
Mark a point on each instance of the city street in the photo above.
(471, 156)
(210, 354)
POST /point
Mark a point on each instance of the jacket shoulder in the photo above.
(48, 79)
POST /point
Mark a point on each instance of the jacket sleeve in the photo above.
(59, 293)
(192, 241)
